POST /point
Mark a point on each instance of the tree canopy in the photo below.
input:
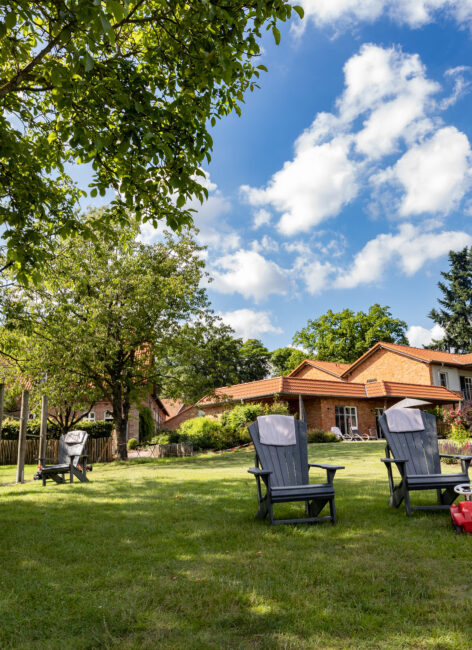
(344, 336)
(130, 87)
(107, 316)
(455, 312)
(284, 360)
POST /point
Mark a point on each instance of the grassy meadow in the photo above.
(167, 554)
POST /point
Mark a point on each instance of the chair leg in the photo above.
(407, 503)
(271, 511)
(332, 511)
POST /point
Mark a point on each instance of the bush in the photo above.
(132, 443)
(166, 437)
(236, 421)
(146, 423)
(202, 433)
(320, 435)
(11, 429)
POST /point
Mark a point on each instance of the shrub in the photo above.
(454, 448)
(320, 435)
(146, 423)
(203, 433)
(132, 443)
(236, 421)
(165, 437)
(11, 429)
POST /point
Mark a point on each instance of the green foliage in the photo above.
(345, 336)
(254, 360)
(320, 435)
(97, 429)
(235, 421)
(146, 424)
(437, 411)
(284, 360)
(132, 443)
(130, 88)
(202, 433)
(109, 316)
(455, 313)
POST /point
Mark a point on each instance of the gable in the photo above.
(385, 364)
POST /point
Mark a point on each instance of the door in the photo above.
(346, 418)
(378, 413)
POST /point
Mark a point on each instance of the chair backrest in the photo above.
(337, 432)
(288, 463)
(71, 447)
(420, 448)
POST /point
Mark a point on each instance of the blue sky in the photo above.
(348, 177)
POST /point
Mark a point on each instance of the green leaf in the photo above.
(300, 11)
(180, 201)
(89, 62)
(276, 34)
(116, 9)
(10, 20)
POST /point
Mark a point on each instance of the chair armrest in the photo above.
(458, 456)
(394, 460)
(331, 467)
(257, 471)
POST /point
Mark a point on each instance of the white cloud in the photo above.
(388, 105)
(315, 185)
(250, 274)
(249, 324)
(409, 249)
(435, 174)
(265, 244)
(414, 13)
(420, 336)
(262, 217)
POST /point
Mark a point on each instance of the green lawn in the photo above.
(167, 554)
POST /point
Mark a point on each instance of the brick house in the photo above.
(102, 411)
(345, 395)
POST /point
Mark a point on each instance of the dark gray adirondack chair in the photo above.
(284, 472)
(71, 451)
(416, 455)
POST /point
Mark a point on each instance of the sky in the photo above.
(348, 177)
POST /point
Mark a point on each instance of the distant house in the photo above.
(346, 395)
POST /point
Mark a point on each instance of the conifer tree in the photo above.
(455, 313)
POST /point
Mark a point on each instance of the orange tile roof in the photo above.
(397, 389)
(325, 388)
(172, 406)
(425, 356)
(332, 367)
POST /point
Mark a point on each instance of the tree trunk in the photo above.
(121, 424)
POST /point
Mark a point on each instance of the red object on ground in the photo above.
(461, 515)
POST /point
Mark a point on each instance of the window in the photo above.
(91, 416)
(466, 387)
(108, 416)
(371, 381)
(346, 418)
(443, 380)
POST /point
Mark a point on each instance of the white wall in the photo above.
(453, 375)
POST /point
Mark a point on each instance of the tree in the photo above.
(254, 360)
(284, 360)
(107, 314)
(130, 87)
(344, 336)
(455, 314)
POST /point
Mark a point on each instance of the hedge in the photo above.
(11, 429)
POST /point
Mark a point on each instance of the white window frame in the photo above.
(443, 374)
(349, 416)
(108, 416)
(91, 417)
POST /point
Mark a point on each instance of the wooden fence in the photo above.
(98, 451)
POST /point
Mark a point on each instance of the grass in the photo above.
(167, 554)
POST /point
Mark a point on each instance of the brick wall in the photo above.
(390, 366)
(308, 372)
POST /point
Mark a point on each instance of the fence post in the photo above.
(43, 431)
(20, 468)
(2, 399)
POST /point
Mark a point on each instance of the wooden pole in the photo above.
(301, 408)
(20, 467)
(2, 400)
(44, 429)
